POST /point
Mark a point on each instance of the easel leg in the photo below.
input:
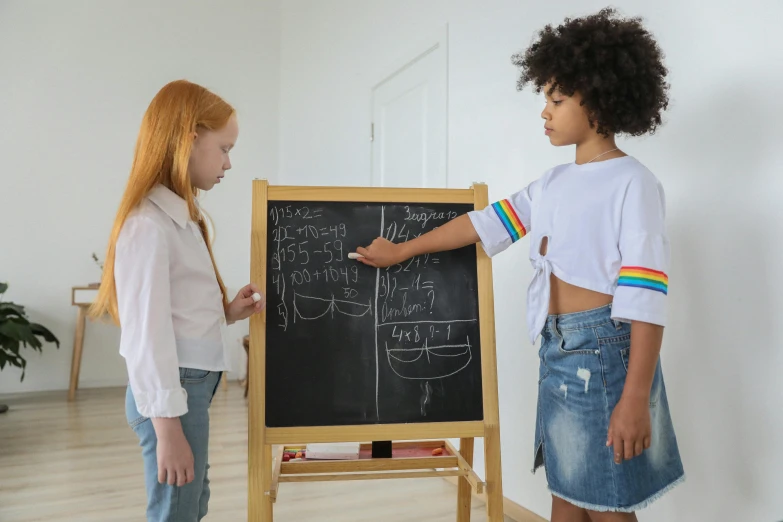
(464, 489)
(493, 473)
(266, 481)
(78, 343)
(259, 481)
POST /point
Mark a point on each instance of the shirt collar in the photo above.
(171, 204)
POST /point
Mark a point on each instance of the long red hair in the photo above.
(161, 157)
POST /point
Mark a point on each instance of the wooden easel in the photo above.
(264, 478)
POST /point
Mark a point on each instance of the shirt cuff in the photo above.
(485, 238)
(627, 315)
(162, 403)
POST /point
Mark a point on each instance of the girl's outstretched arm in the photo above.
(457, 233)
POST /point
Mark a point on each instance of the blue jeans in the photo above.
(584, 359)
(187, 503)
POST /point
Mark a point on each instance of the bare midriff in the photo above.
(565, 298)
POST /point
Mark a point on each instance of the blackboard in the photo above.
(349, 344)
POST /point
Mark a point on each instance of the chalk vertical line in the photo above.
(377, 286)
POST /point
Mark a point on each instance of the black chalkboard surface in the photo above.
(350, 344)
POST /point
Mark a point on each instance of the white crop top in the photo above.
(606, 227)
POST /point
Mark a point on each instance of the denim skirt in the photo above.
(583, 364)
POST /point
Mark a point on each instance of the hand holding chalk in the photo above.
(244, 305)
(379, 254)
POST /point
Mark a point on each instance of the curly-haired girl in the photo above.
(600, 250)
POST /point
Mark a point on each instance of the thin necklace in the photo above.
(607, 152)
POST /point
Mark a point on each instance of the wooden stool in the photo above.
(246, 344)
(81, 297)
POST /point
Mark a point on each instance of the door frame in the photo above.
(439, 39)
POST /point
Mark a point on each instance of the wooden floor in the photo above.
(69, 462)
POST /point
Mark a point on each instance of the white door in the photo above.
(409, 121)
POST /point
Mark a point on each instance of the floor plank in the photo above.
(69, 462)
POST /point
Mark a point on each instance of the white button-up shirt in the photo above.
(170, 305)
(605, 224)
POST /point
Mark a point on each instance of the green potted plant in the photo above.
(16, 332)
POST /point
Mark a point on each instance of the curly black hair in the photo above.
(614, 63)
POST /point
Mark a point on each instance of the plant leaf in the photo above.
(44, 332)
(13, 360)
(9, 345)
(19, 330)
(11, 309)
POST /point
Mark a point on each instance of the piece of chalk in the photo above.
(354, 255)
(256, 297)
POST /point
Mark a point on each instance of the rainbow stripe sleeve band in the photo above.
(510, 220)
(638, 277)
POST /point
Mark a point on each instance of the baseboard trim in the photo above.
(510, 508)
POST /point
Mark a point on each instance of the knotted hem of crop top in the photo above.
(538, 297)
(539, 293)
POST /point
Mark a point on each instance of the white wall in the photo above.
(715, 157)
(77, 77)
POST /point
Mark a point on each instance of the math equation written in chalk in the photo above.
(415, 322)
